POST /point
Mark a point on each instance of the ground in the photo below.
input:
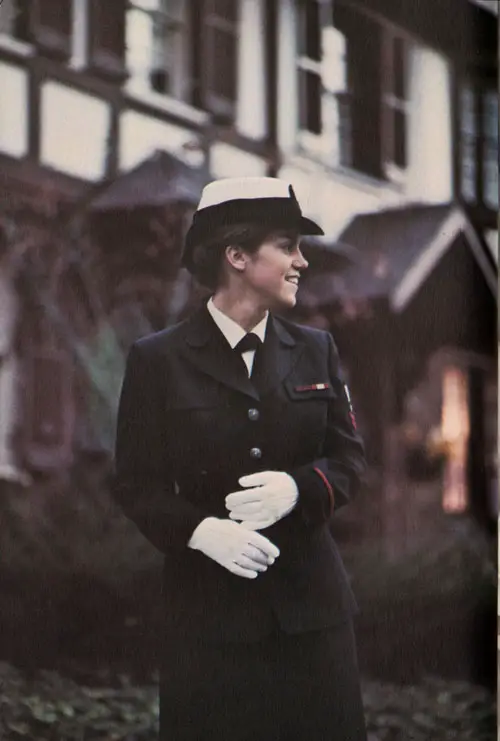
(101, 706)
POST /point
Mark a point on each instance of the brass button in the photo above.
(253, 414)
(256, 453)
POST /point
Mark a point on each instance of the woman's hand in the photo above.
(242, 552)
(269, 496)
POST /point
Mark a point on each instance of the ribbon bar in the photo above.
(313, 387)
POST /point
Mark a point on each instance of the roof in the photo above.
(157, 181)
(399, 249)
(491, 5)
(327, 255)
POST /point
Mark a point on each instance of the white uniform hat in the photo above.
(259, 200)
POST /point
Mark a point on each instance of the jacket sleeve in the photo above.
(143, 483)
(332, 481)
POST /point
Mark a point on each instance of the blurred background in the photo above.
(383, 114)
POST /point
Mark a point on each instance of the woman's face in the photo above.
(272, 273)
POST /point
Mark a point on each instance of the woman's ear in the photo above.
(236, 257)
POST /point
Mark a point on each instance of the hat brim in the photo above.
(277, 213)
(308, 226)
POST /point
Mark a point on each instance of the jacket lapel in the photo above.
(276, 358)
(207, 349)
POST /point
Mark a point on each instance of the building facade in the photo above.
(366, 106)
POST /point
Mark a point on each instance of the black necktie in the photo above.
(250, 341)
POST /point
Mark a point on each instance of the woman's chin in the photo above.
(289, 299)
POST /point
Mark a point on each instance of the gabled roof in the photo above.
(490, 5)
(157, 181)
(399, 248)
(326, 254)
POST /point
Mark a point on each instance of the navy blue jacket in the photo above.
(191, 423)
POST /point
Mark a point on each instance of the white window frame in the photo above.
(489, 150)
(391, 103)
(178, 62)
(468, 143)
(478, 142)
(331, 70)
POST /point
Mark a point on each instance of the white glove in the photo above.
(273, 494)
(242, 552)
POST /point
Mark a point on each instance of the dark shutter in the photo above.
(51, 26)
(364, 54)
(312, 31)
(365, 61)
(49, 409)
(107, 37)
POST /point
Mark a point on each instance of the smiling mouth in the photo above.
(294, 279)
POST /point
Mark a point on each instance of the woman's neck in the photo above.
(240, 309)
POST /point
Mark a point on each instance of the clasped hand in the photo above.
(268, 496)
(233, 547)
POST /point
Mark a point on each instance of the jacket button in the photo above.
(256, 453)
(253, 414)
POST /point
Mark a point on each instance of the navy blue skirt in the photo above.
(281, 688)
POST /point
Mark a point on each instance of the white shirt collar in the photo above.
(231, 329)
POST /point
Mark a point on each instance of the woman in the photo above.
(231, 459)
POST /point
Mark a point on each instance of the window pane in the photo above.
(455, 427)
(468, 168)
(468, 144)
(490, 116)
(154, 49)
(345, 135)
(490, 151)
(467, 111)
(490, 176)
(139, 42)
(310, 101)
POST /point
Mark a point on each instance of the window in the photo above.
(478, 144)
(309, 67)
(187, 50)
(373, 112)
(490, 148)
(455, 428)
(321, 78)
(156, 42)
(468, 137)
(394, 105)
(218, 65)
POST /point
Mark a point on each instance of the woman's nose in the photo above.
(299, 261)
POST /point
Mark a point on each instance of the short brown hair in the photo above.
(207, 259)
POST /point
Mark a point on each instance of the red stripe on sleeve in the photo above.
(328, 488)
